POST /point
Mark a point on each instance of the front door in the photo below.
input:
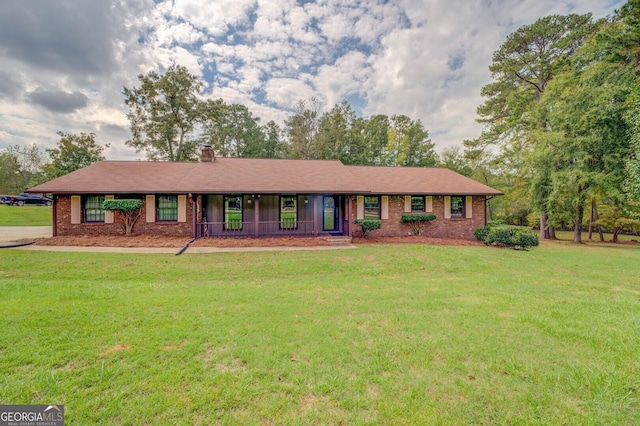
(330, 213)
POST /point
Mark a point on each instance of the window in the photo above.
(457, 207)
(288, 212)
(372, 207)
(93, 208)
(167, 208)
(417, 204)
(232, 212)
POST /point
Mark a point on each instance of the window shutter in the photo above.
(384, 209)
(407, 203)
(108, 216)
(182, 208)
(428, 201)
(76, 210)
(360, 207)
(151, 208)
(447, 207)
(468, 207)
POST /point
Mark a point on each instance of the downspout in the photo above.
(486, 203)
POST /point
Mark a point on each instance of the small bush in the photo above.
(367, 225)
(417, 221)
(481, 233)
(507, 236)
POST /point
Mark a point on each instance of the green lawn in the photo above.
(384, 334)
(25, 215)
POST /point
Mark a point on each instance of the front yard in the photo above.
(385, 334)
(25, 215)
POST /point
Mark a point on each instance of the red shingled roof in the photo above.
(255, 176)
(418, 180)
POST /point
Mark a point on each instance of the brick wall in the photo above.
(65, 227)
(440, 227)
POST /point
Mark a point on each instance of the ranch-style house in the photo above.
(247, 197)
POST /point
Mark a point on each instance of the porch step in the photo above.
(339, 241)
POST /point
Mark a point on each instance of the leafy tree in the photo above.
(409, 144)
(235, 132)
(274, 147)
(129, 211)
(21, 167)
(10, 179)
(74, 152)
(302, 128)
(374, 132)
(163, 114)
(454, 159)
(522, 68)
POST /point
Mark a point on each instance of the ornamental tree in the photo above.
(129, 211)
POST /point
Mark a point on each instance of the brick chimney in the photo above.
(207, 155)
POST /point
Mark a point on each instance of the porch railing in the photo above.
(236, 229)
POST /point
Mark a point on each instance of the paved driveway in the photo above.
(14, 233)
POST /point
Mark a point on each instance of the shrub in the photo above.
(507, 236)
(367, 225)
(481, 233)
(417, 221)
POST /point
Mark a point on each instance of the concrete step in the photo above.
(339, 241)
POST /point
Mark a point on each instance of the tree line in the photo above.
(561, 124)
(169, 121)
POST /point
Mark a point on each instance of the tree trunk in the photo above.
(577, 229)
(552, 233)
(592, 217)
(596, 216)
(615, 235)
(544, 231)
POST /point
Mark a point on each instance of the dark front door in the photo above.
(330, 213)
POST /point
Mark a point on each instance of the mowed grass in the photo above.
(384, 334)
(25, 215)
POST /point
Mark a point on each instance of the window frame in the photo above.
(462, 211)
(162, 210)
(281, 210)
(100, 210)
(379, 208)
(424, 203)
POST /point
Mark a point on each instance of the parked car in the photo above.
(30, 199)
(6, 199)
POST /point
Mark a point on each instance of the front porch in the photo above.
(272, 215)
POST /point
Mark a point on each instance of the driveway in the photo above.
(15, 233)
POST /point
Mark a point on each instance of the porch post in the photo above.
(315, 215)
(348, 221)
(256, 215)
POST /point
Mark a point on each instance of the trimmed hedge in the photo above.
(409, 218)
(122, 205)
(367, 225)
(417, 221)
(515, 237)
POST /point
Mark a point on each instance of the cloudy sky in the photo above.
(65, 62)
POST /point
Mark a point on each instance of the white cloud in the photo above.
(424, 58)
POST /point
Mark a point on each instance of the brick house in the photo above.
(247, 197)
